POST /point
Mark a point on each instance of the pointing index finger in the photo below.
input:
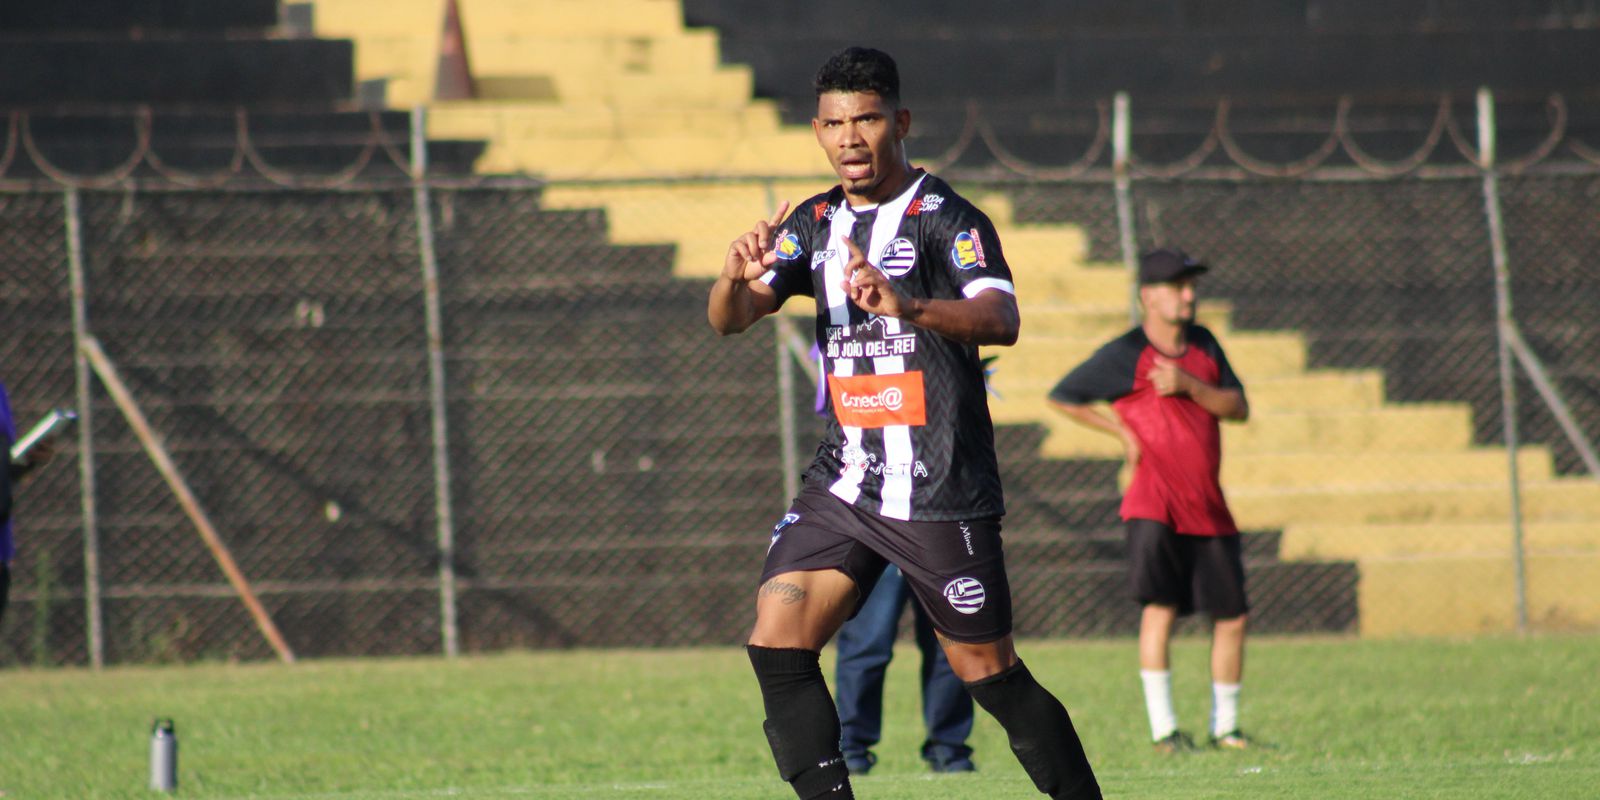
(783, 208)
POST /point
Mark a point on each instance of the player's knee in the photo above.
(975, 662)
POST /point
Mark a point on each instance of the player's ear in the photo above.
(902, 123)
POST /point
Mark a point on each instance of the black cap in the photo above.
(1167, 266)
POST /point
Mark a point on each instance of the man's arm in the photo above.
(991, 317)
(1169, 379)
(739, 298)
(1092, 417)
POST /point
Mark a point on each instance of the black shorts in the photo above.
(957, 570)
(1193, 573)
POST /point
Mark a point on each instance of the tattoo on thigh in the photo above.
(788, 593)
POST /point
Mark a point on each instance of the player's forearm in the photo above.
(1228, 404)
(733, 307)
(990, 318)
(1090, 417)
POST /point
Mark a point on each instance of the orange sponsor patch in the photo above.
(876, 401)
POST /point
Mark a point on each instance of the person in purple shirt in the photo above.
(8, 477)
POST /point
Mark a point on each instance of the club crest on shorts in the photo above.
(965, 595)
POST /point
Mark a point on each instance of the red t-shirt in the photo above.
(1176, 481)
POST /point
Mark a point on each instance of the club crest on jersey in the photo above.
(967, 252)
(788, 247)
(926, 204)
(898, 258)
(965, 595)
(821, 257)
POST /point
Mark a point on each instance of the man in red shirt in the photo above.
(1169, 384)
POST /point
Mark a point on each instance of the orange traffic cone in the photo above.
(454, 78)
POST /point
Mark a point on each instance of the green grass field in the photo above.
(1485, 718)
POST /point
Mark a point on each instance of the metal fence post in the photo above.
(86, 478)
(1121, 138)
(1505, 331)
(443, 511)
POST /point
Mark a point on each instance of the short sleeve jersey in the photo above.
(1176, 481)
(909, 434)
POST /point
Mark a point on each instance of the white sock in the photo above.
(1224, 708)
(1158, 702)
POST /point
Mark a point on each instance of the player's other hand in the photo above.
(1166, 377)
(868, 287)
(750, 255)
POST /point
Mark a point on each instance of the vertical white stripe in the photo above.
(833, 270)
(898, 453)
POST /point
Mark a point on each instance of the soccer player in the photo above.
(909, 279)
(1169, 383)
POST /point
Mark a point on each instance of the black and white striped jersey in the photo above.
(909, 435)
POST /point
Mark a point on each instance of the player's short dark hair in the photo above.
(860, 69)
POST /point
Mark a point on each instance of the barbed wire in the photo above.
(20, 135)
(976, 126)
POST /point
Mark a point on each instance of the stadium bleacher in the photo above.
(608, 449)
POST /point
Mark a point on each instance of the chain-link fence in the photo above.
(453, 415)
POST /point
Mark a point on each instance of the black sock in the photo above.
(1041, 733)
(802, 723)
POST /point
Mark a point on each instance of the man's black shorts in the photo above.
(1193, 573)
(957, 570)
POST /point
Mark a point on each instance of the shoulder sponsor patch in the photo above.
(967, 252)
(788, 247)
(877, 401)
(898, 258)
(926, 204)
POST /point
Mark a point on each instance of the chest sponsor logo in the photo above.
(965, 595)
(788, 247)
(898, 258)
(926, 204)
(863, 345)
(967, 252)
(877, 401)
(821, 257)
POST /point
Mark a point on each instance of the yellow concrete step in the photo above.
(1414, 501)
(734, 155)
(515, 120)
(1467, 595)
(1387, 429)
(1329, 471)
(641, 18)
(681, 53)
(1428, 427)
(1041, 249)
(1253, 355)
(1322, 390)
(1324, 542)
(1065, 284)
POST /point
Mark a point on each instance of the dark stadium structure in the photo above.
(615, 465)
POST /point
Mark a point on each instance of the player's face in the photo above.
(863, 136)
(1172, 303)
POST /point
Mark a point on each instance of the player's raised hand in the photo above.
(750, 255)
(1166, 377)
(868, 287)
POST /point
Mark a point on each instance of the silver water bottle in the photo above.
(164, 756)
